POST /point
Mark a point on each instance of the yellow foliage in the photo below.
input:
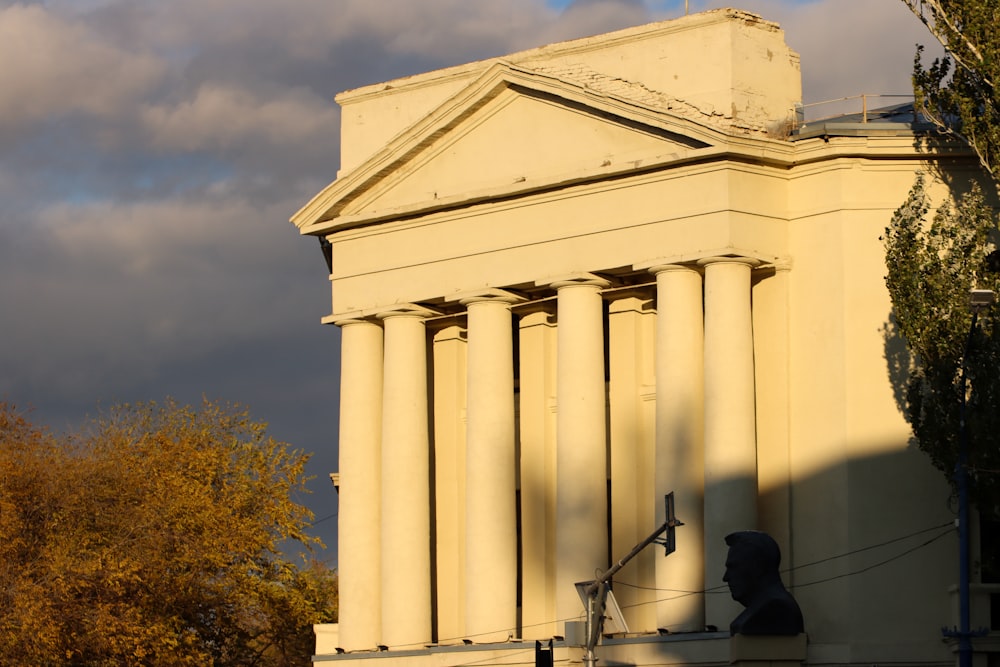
(155, 536)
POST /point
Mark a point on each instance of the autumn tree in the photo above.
(958, 91)
(157, 535)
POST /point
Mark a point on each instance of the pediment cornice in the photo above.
(669, 136)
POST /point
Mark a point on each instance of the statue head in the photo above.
(754, 581)
(752, 564)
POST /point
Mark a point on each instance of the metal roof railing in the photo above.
(849, 106)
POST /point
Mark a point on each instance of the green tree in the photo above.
(958, 91)
(932, 266)
(155, 536)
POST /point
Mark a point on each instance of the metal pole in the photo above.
(597, 590)
(978, 300)
(611, 571)
(962, 473)
(589, 656)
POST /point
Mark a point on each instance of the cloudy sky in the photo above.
(152, 151)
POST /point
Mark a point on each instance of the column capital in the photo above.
(752, 262)
(372, 315)
(489, 294)
(685, 267)
(348, 319)
(405, 310)
(573, 280)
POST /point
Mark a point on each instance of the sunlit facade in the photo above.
(574, 279)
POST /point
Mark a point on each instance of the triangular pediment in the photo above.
(510, 131)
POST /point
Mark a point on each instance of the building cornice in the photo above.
(736, 150)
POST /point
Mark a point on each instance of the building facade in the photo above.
(574, 279)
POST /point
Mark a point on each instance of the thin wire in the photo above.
(869, 548)
(818, 581)
(717, 589)
(879, 564)
(319, 521)
(723, 587)
(509, 630)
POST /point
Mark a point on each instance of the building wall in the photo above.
(723, 64)
(602, 296)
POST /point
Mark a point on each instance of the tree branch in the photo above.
(939, 13)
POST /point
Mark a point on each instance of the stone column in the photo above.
(730, 422)
(491, 521)
(448, 435)
(581, 458)
(358, 533)
(537, 416)
(771, 369)
(679, 442)
(632, 450)
(406, 549)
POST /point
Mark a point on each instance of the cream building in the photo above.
(574, 279)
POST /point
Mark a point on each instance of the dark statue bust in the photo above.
(752, 575)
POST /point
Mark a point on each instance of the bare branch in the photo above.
(939, 13)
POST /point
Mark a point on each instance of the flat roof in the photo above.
(895, 120)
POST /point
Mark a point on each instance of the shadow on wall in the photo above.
(898, 361)
(872, 551)
(869, 557)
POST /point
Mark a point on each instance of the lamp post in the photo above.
(595, 594)
(979, 300)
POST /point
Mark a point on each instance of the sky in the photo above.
(152, 152)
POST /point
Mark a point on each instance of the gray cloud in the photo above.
(593, 17)
(55, 68)
(225, 117)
